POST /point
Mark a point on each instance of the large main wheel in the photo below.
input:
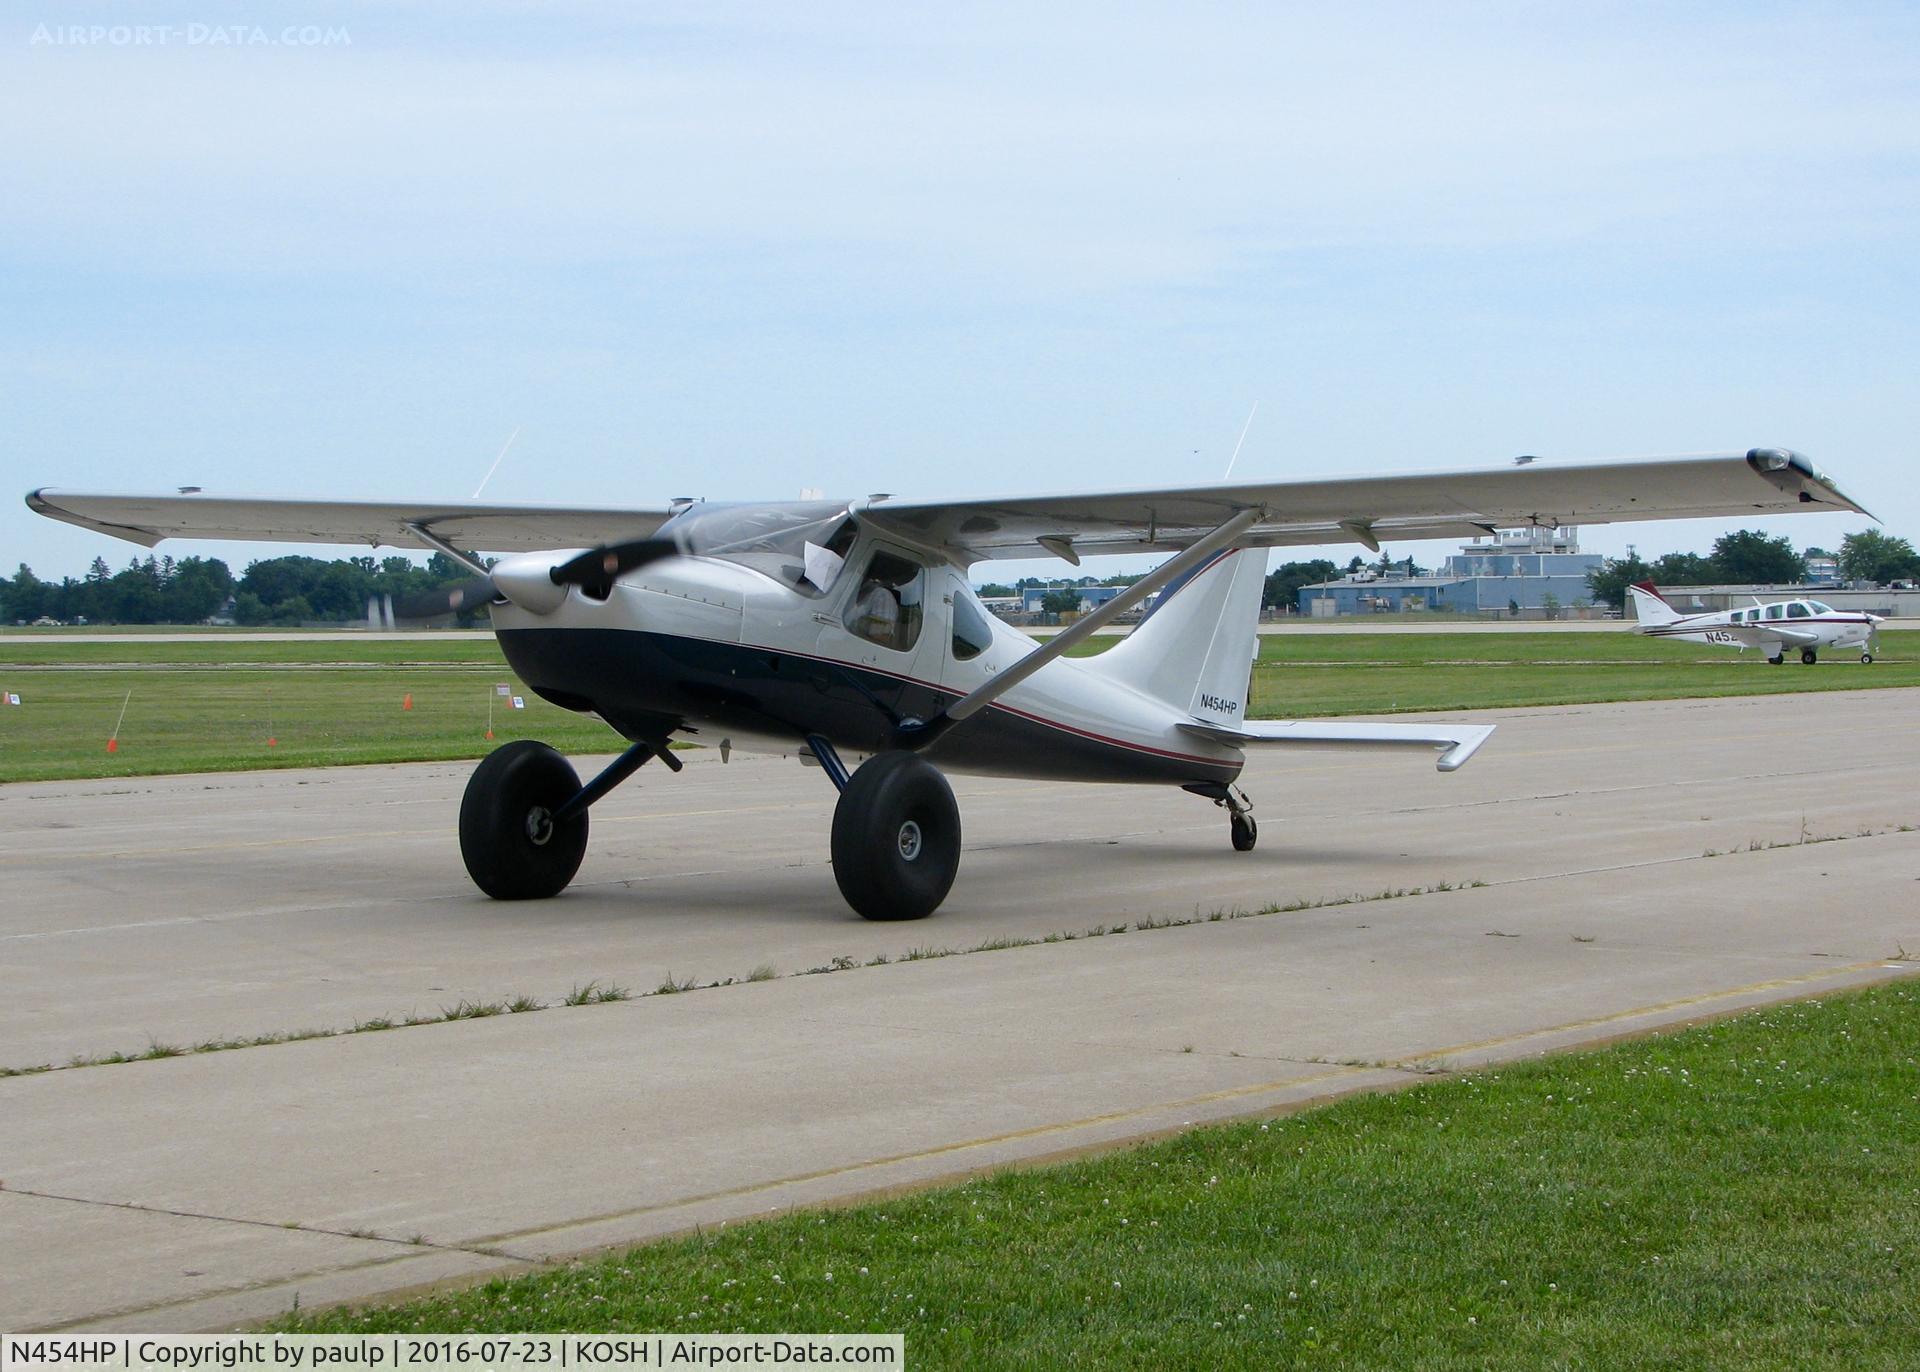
(896, 838)
(513, 848)
(1808, 657)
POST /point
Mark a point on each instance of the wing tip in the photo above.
(1471, 737)
(37, 502)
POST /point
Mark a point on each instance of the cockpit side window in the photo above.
(972, 630)
(1798, 610)
(888, 607)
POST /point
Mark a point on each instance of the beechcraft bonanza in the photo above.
(1808, 625)
(848, 629)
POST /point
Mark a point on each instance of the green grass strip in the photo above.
(1744, 1194)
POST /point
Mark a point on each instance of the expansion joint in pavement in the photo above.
(1711, 855)
(416, 1244)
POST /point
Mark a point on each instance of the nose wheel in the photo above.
(1244, 832)
(523, 819)
(514, 837)
(1866, 657)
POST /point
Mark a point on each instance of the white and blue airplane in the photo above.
(1808, 625)
(849, 629)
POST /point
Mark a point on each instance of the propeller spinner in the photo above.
(536, 582)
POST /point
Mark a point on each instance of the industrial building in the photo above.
(1091, 597)
(1538, 570)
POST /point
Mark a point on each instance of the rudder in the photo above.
(1649, 606)
(1195, 648)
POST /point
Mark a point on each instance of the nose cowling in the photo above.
(527, 580)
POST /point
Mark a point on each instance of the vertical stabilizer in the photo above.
(1195, 648)
(1649, 606)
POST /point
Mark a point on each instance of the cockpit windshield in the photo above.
(1820, 607)
(801, 545)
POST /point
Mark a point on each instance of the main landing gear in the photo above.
(896, 834)
(1866, 657)
(1808, 657)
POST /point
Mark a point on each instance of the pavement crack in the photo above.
(1708, 856)
(418, 1242)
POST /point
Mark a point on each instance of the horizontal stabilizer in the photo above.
(1457, 742)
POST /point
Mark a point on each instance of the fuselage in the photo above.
(716, 650)
(1798, 623)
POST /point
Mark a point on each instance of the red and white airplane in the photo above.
(849, 628)
(1808, 625)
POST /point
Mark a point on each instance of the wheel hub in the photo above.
(539, 825)
(910, 840)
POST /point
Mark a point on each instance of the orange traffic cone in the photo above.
(113, 739)
(406, 702)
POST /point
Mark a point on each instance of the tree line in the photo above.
(277, 590)
(1749, 558)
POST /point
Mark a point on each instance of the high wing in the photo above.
(1455, 742)
(147, 519)
(1370, 509)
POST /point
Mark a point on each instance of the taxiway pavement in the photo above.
(1642, 864)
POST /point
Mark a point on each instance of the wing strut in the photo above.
(1162, 575)
(427, 536)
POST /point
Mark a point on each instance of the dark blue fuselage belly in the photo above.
(648, 685)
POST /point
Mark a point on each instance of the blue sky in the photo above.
(736, 250)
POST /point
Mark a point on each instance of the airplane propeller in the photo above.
(470, 594)
(534, 582)
(598, 568)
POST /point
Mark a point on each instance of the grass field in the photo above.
(211, 706)
(1739, 1195)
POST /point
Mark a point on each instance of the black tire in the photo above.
(512, 849)
(896, 838)
(1808, 657)
(1866, 657)
(1776, 659)
(1245, 833)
